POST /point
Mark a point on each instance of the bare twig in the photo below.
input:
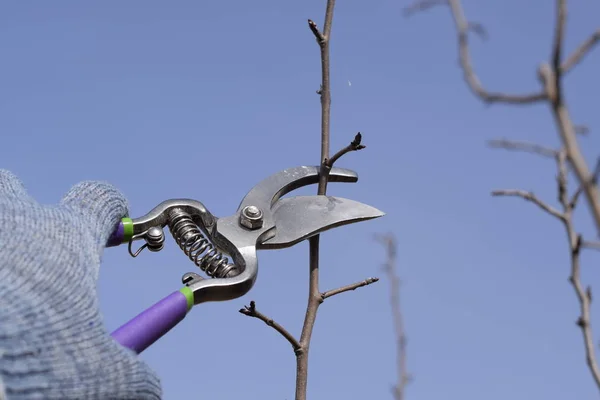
(315, 298)
(463, 27)
(559, 33)
(580, 188)
(314, 295)
(590, 245)
(404, 377)
(551, 77)
(251, 311)
(529, 196)
(523, 146)
(578, 55)
(354, 145)
(348, 288)
(315, 30)
(576, 243)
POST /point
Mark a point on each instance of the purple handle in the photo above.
(116, 238)
(153, 323)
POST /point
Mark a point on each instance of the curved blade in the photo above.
(268, 191)
(298, 218)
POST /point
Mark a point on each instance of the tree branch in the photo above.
(529, 196)
(590, 245)
(315, 30)
(463, 27)
(551, 75)
(348, 288)
(559, 33)
(580, 188)
(354, 145)
(523, 146)
(575, 245)
(403, 378)
(583, 50)
(251, 311)
(314, 295)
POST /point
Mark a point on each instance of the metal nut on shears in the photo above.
(251, 217)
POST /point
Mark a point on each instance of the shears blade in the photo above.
(300, 217)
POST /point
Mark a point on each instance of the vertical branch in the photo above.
(575, 243)
(314, 294)
(551, 77)
(403, 378)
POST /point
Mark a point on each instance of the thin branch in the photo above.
(550, 76)
(580, 188)
(529, 196)
(251, 311)
(403, 378)
(523, 146)
(579, 54)
(576, 243)
(315, 297)
(590, 245)
(348, 288)
(354, 145)
(463, 27)
(559, 33)
(315, 30)
(314, 294)
(585, 300)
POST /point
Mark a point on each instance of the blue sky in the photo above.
(163, 100)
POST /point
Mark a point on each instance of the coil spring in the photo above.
(199, 250)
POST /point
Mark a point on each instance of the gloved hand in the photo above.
(53, 344)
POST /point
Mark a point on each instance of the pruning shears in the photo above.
(263, 221)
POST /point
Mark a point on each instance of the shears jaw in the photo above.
(271, 189)
(298, 218)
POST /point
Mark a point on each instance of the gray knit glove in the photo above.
(53, 344)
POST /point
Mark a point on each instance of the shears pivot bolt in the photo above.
(251, 217)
